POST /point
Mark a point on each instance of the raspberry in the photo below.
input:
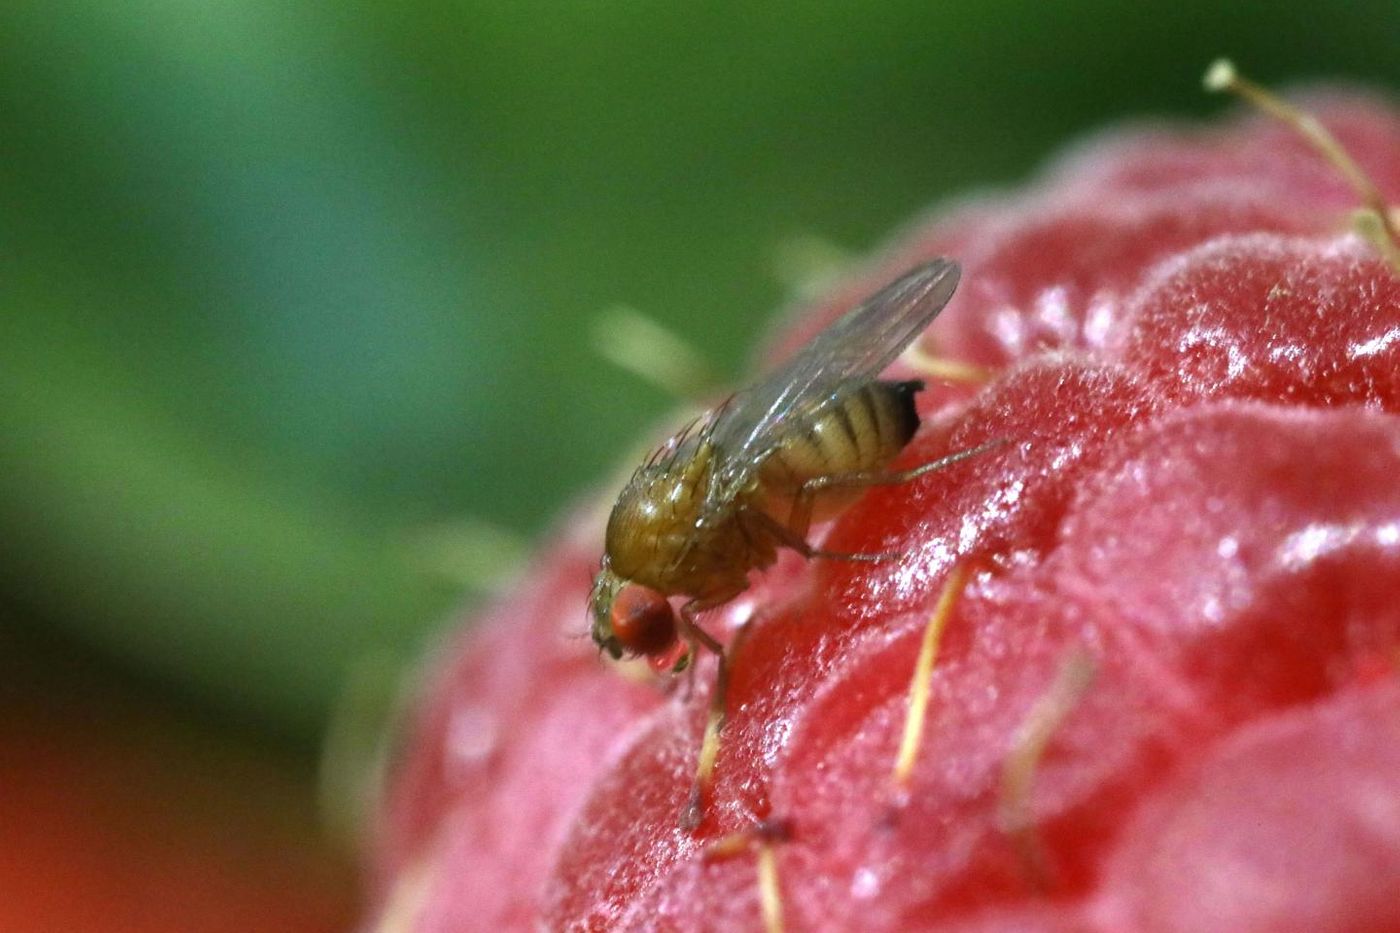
(1198, 371)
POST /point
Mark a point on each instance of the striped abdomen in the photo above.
(862, 432)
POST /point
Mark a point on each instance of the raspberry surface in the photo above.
(1198, 371)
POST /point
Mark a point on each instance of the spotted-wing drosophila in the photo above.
(720, 499)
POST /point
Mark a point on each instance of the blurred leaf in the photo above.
(283, 282)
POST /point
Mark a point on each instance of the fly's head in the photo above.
(628, 618)
(650, 527)
(606, 586)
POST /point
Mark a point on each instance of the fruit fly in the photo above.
(724, 495)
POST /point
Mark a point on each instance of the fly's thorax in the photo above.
(656, 515)
(859, 432)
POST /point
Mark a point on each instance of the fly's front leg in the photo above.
(714, 719)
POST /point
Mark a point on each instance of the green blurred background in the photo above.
(295, 297)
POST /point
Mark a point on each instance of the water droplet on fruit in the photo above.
(1320, 540)
(472, 736)
(1238, 361)
(1212, 610)
(1009, 329)
(1001, 504)
(740, 612)
(1374, 345)
(775, 738)
(866, 884)
(1303, 547)
(1052, 309)
(1066, 455)
(1098, 320)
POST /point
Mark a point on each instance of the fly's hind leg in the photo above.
(800, 518)
(790, 538)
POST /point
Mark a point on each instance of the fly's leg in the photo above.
(800, 518)
(789, 538)
(714, 719)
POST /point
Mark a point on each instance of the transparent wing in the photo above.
(855, 348)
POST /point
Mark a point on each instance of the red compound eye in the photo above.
(643, 621)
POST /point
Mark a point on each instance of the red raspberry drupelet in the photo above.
(1198, 368)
